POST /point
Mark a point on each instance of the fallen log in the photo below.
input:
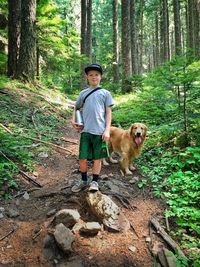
(167, 238)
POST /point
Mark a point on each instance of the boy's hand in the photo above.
(106, 135)
(78, 127)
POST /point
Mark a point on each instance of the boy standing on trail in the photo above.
(96, 104)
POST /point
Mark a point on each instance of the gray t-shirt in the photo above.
(94, 109)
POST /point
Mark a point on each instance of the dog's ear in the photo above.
(132, 129)
(145, 130)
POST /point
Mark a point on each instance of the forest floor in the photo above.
(27, 216)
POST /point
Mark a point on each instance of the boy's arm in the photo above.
(106, 134)
(73, 121)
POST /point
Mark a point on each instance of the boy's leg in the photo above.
(83, 169)
(96, 168)
(95, 171)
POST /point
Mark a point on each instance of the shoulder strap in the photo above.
(91, 93)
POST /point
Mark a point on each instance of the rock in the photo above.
(12, 213)
(107, 211)
(68, 217)
(134, 180)
(51, 249)
(2, 209)
(104, 176)
(148, 239)
(132, 248)
(1, 215)
(64, 237)
(51, 212)
(72, 262)
(26, 196)
(90, 228)
(43, 155)
(78, 226)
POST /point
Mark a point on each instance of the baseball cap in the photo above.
(93, 66)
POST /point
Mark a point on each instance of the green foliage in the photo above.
(58, 45)
(3, 63)
(7, 183)
(17, 114)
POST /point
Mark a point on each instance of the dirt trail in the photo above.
(28, 217)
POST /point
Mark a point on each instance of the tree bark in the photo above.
(27, 52)
(126, 47)
(88, 44)
(83, 82)
(115, 42)
(14, 25)
(133, 37)
(164, 31)
(177, 27)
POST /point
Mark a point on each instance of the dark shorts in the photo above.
(91, 147)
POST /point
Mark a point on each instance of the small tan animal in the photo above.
(128, 144)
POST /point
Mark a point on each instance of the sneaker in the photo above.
(80, 185)
(94, 186)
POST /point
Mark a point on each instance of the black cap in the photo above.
(94, 66)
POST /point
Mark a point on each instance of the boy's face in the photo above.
(94, 78)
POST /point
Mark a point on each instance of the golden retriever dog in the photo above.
(128, 144)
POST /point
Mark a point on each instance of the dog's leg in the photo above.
(124, 163)
(105, 163)
(111, 158)
(131, 167)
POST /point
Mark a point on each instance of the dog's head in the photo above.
(138, 132)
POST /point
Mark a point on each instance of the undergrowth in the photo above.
(23, 115)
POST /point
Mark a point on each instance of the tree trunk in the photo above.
(83, 82)
(126, 47)
(27, 52)
(164, 31)
(140, 36)
(133, 37)
(38, 63)
(177, 26)
(14, 25)
(88, 44)
(115, 42)
(196, 15)
(190, 26)
(157, 43)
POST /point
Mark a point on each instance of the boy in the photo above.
(96, 110)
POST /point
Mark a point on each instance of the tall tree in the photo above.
(196, 12)
(115, 42)
(134, 57)
(126, 47)
(83, 40)
(177, 26)
(27, 52)
(140, 35)
(164, 31)
(88, 45)
(14, 25)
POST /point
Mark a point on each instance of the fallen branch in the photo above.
(69, 141)
(35, 139)
(29, 178)
(5, 128)
(9, 233)
(37, 234)
(166, 237)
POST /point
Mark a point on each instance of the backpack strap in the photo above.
(90, 93)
